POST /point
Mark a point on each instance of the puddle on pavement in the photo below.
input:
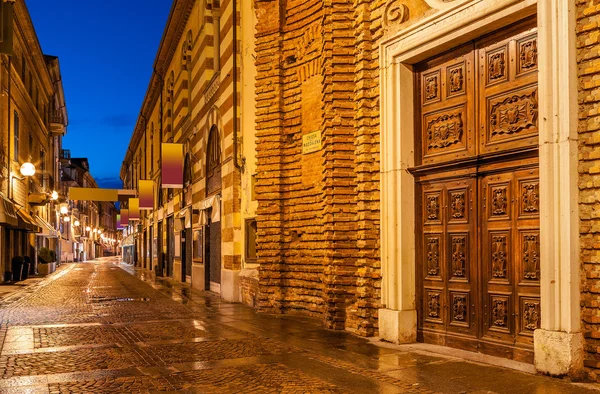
(98, 299)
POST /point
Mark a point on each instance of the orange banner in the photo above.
(124, 218)
(134, 209)
(172, 166)
(146, 194)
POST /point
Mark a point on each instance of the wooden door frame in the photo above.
(456, 23)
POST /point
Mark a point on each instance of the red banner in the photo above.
(124, 217)
(172, 166)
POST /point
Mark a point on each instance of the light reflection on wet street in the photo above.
(98, 327)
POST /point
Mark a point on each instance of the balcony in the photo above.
(57, 123)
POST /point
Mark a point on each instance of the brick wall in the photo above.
(318, 214)
(588, 36)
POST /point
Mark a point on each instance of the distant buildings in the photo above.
(34, 211)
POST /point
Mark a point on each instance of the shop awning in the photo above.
(46, 228)
(26, 222)
(8, 216)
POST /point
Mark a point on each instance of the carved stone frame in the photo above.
(558, 345)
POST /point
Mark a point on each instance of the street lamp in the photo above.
(66, 219)
(88, 228)
(28, 169)
(64, 209)
(54, 195)
(76, 223)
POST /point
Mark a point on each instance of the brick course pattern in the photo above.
(318, 214)
(588, 58)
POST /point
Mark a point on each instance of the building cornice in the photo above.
(174, 29)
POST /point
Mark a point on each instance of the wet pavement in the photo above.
(98, 327)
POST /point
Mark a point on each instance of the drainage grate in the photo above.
(101, 299)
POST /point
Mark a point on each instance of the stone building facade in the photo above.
(425, 169)
(33, 119)
(196, 98)
(408, 223)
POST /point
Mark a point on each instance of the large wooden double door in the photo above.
(478, 245)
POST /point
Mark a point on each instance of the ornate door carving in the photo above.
(478, 253)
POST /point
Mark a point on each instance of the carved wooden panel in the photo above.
(459, 315)
(528, 55)
(459, 205)
(432, 211)
(431, 87)
(500, 313)
(434, 306)
(499, 255)
(496, 66)
(445, 131)
(530, 315)
(432, 254)
(513, 115)
(455, 79)
(498, 201)
(459, 255)
(530, 255)
(529, 198)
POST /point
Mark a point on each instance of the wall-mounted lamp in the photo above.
(88, 228)
(54, 195)
(27, 169)
(76, 223)
(64, 209)
(66, 219)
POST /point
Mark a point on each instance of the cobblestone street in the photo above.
(98, 328)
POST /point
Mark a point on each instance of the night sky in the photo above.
(106, 51)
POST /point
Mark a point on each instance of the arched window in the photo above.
(186, 52)
(213, 162)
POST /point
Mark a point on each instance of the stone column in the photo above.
(398, 320)
(559, 341)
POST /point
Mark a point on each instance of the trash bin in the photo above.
(17, 267)
(26, 267)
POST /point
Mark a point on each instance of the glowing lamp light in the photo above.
(27, 169)
(54, 195)
(88, 228)
(64, 209)
(100, 232)
(67, 219)
(76, 223)
(95, 230)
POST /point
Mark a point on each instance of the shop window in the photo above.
(198, 245)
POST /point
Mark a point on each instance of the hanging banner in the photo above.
(119, 226)
(124, 218)
(134, 209)
(146, 194)
(172, 166)
(93, 194)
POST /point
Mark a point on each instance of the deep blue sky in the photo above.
(106, 51)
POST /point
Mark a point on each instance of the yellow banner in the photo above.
(134, 209)
(93, 194)
(146, 194)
